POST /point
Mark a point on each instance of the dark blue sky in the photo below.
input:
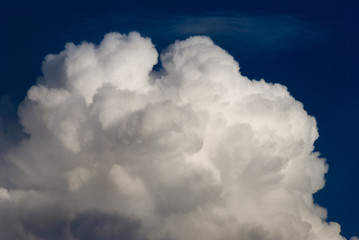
(310, 47)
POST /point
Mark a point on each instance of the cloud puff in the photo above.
(195, 151)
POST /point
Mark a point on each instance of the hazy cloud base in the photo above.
(116, 150)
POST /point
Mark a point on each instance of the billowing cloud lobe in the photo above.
(116, 150)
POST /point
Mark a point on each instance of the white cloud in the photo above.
(196, 151)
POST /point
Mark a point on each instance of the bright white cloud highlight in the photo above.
(195, 151)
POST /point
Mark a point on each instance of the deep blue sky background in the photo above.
(311, 47)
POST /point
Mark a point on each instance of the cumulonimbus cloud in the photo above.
(116, 150)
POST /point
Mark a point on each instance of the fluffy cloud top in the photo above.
(116, 150)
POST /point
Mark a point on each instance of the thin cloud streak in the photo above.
(260, 32)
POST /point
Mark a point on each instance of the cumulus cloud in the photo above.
(116, 150)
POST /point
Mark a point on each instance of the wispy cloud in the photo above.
(250, 32)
